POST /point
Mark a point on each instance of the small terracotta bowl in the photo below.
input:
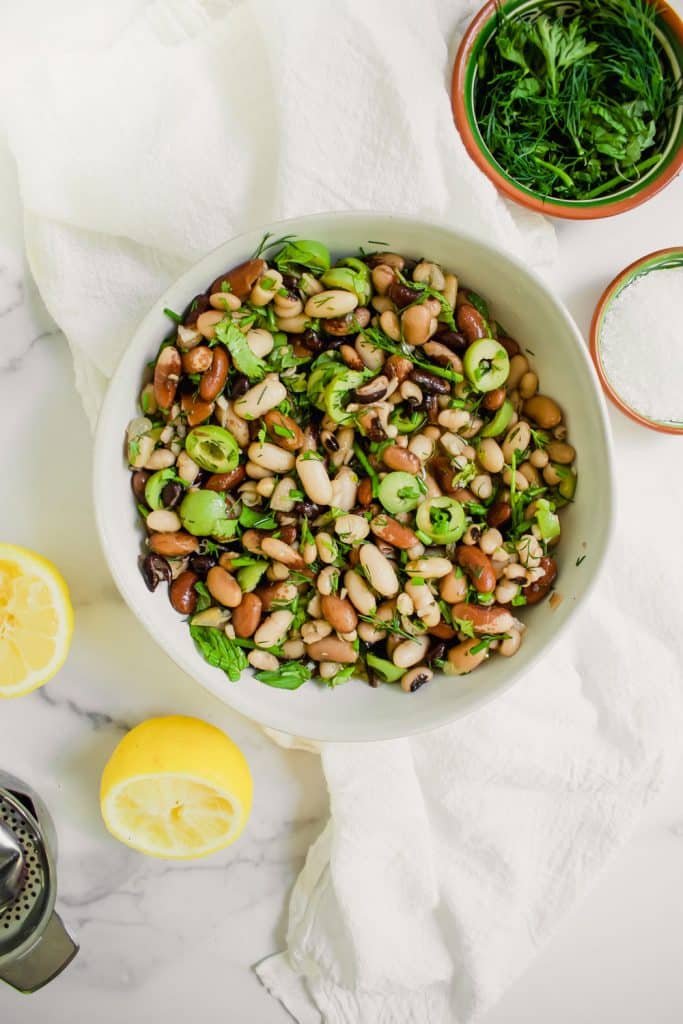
(662, 259)
(479, 35)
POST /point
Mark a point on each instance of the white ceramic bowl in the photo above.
(355, 711)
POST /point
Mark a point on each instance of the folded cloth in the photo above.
(141, 144)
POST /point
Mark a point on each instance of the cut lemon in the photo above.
(176, 787)
(36, 620)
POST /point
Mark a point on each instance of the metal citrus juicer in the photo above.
(34, 944)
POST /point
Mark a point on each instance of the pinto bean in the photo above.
(171, 545)
(182, 594)
(398, 368)
(416, 322)
(223, 587)
(213, 380)
(241, 278)
(281, 552)
(494, 399)
(401, 459)
(331, 648)
(471, 322)
(536, 591)
(461, 660)
(247, 615)
(478, 567)
(284, 430)
(166, 376)
(197, 360)
(273, 629)
(490, 619)
(339, 612)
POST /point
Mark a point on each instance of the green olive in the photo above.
(204, 514)
(213, 448)
(486, 364)
(352, 276)
(155, 486)
(442, 519)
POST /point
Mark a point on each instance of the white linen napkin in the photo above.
(151, 136)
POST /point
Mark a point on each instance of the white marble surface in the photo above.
(177, 942)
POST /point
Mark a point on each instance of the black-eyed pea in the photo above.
(490, 455)
(490, 540)
(263, 660)
(471, 535)
(519, 365)
(415, 678)
(528, 384)
(482, 486)
(506, 590)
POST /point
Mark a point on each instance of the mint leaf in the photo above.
(219, 650)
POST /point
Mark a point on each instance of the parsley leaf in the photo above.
(244, 359)
(219, 650)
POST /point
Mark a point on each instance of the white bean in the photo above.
(332, 303)
(260, 341)
(490, 455)
(314, 479)
(261, 398)
(380, 572)
(410, 652)
(372, 356)
(271, 457)
(344, 489)
(490, 540)
(511, 644)
(506, 590)
(161, 458)
(274, 629)
(164, 521)
(482, 486)
(429, 568)
(263, 660)
(351, 528)
(327, 547)
(227, 417)
(359, 594)
(280, 500)
(186, 468)
(327, 580)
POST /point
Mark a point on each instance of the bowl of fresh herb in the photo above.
(573, 109)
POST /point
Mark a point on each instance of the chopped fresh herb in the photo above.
(219, 650)
(281, 431)
(244, 359)
(486, 641)
(518, 600)
(257, 519)
(175, 317)
(289, 676)
(144, 512)
(464, 626)
(342, 676)
(203, 596)
(581, 559)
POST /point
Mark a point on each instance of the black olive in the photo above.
(202, 563)
(154, 569)
(137, 482)
(172, 493)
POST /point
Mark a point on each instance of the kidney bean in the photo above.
(166, 376)
(247, 615)
(213, 380)
(510, 345)
(288, 534)
(200, 304)
(491, 619)
(499, 514)
(197, 360)
(478, 567)
(202, 563)
(364, 495)
(429, 382)
(226, 481)
(393, 532)
(137, 482)
(401, 294)
(196, 410)
(401, 459)
(471, 322)
(182, 594)
(339, 612)
(444, 473)
(542, 410)
(172, 493)
(241, 278)
(171, 545)
(312, 341)
(451, 339)
(535, 592)
(154, 569)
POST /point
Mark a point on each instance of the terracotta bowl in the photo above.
(662, 259)
(478, 36)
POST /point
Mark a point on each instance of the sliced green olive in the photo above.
(500, 422)
(442, 519)
(336, 392)
(249, 575)
(304, 252)
(389, 672)
(155, 486)
(213, 448)
(486, 364)
(548, 522)
(407, 424)
(401, 492)
(204, 514)
(351, 276)
(568, 480)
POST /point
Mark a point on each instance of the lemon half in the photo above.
(176, 787)
(36, 620)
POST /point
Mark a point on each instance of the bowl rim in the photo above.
(613, 289)
(109, 411)
(540, 204)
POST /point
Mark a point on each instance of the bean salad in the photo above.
(346, 469)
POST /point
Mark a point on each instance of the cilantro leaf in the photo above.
(244, 359)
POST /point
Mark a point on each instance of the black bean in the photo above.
(154, 569)
(290, 281)
(437, 652)
(454, 340)
(239, 386)
(137, 482)
(312, 341)
(202, 563)
(429, 382)
(172, 494)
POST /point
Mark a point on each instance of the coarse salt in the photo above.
(641, 345)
